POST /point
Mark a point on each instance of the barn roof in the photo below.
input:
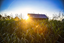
(37, 15)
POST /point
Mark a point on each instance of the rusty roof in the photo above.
(37, 15)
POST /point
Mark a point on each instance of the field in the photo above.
(31, 31)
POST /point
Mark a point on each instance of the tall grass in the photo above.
(31, 31)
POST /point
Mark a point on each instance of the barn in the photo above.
(38, 16)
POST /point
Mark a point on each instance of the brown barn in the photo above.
(38, 16)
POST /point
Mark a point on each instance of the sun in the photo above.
(26, 17)
(25, 11)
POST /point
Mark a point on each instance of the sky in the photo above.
(48, 7)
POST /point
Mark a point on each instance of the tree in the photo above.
(0, 16)
(62, 19)
(16, 18)
(8, 17)
(20, 16)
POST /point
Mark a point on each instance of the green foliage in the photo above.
(33, 31)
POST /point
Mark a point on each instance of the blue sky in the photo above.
(48, 7)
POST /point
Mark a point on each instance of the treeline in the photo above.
(8, 17)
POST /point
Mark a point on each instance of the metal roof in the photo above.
(37, 15)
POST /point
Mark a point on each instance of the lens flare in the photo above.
(26, 17)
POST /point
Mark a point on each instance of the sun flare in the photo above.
(25, 11)
(26, 17)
